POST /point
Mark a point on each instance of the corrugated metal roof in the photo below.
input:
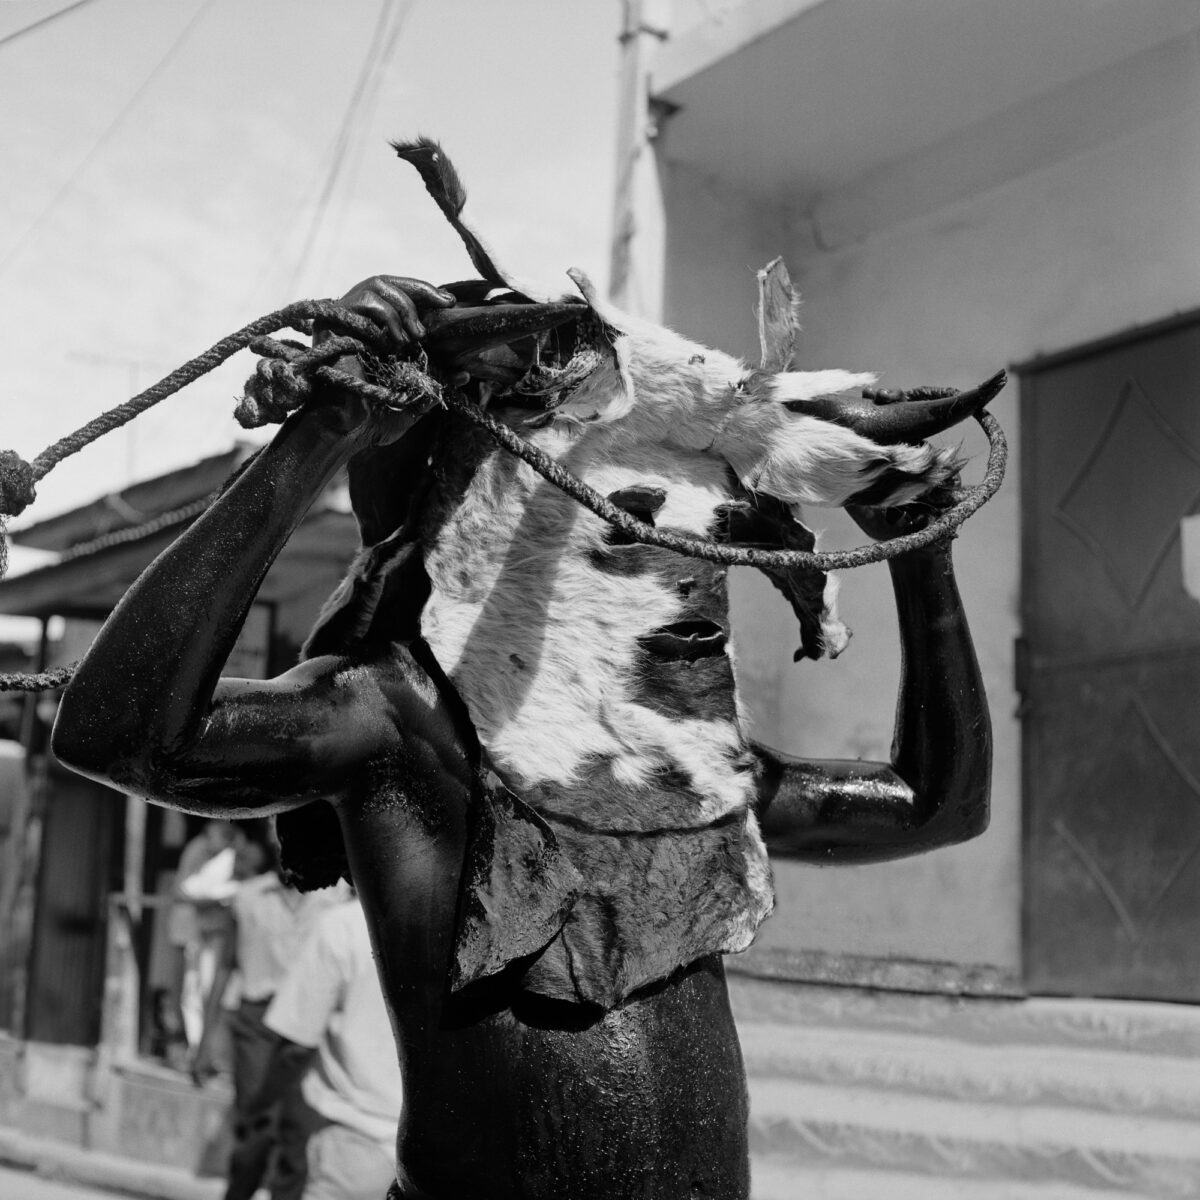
(104, 545)
(133, 507)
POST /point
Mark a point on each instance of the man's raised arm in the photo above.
(935, 790)
(147, 710)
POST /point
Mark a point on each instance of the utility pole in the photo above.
(636, 266)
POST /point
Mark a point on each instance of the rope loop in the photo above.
(941, 528)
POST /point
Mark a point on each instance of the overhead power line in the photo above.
(105, 137)
(379, 51)
(62, 12)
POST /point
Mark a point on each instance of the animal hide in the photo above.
(597, 678)
(614, 838)
(596, 673)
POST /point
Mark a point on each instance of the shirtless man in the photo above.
(512, 1091)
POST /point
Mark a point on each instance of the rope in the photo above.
(401, 394)
(45, 681)
(940, 528)
(409, 384)
(18, 477)
(283, 381)
(302, 311)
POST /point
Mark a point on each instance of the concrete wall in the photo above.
(1095, 229)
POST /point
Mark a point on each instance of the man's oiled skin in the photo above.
(507, 1094)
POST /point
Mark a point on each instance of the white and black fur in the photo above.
(596, 674)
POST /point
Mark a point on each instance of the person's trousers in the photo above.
(344, 1164)
(273, 1153)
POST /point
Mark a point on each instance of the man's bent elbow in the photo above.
(962, 822)
(79, 743)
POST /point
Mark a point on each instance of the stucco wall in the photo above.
(1075, 249)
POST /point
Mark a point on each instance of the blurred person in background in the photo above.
(195, 923)
(269, 927)
(335, 1038)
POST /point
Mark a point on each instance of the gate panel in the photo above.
(1112, 704)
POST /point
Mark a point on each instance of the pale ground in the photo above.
(23, 1185)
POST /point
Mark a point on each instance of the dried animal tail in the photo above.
(442, 182)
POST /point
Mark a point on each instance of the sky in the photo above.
(170, 169)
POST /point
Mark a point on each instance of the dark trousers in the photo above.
(272, 1153)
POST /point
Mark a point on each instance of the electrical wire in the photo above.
(106, 135)
(358, 146)
(62, 12)
(381, 46)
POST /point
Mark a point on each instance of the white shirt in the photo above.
(273, 923)
(331, 1000)
(213, 881)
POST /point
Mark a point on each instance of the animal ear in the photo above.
(803, 459)
(778, 316)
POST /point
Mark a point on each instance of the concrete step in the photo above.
(795, 1124)
(1014, 1074)
(774, 1181)
(54, 1159)
(863, 1095)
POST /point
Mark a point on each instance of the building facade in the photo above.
(958, 186)
(89, 872)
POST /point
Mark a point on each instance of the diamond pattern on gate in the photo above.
(1134, 846)
(1132, 529)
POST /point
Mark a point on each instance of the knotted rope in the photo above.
(18, 478)
(283, 381)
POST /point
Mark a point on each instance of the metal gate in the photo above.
(1110, 667)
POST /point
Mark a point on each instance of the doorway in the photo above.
(1110, 666)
